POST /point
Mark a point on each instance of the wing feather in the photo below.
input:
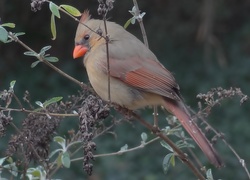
(147, 75)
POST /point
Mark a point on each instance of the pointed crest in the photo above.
(85, 16)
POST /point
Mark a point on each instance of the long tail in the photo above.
(180, 111)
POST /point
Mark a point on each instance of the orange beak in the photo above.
(79, 51)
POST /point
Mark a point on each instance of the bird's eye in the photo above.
(86, 37)
(99, 31)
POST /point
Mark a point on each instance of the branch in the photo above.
(35, 112)
(142, 145)
(179, 153)
(137, 13)
(16, 39)
(220, 135)
(145, 39)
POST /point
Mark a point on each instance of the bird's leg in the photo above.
(155, 117)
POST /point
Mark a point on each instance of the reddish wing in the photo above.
(146, 74)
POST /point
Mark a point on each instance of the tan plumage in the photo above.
(137, 77)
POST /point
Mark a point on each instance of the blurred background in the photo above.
(204, 43)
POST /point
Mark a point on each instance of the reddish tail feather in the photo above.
(180, 111)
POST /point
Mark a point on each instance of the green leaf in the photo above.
(144, 137)
(10, 160)
(209, 175)
(133, 20)
(124, 148)
(12, 84)
(172, 160)
(164, 144)
(166, 162)
(72, 10)
(51, 59)
(51, 101)
(3, 35)
(59, 160)
(36, 173)
(39, 103)
(35, 63)
(12, 168)
(2, 160)
(185, 145)
(44, 49)
(10, 25)
(65, 158)
(127, 23)
(19, 33)
(54, 9)
(53, 27)
(30, 53)
(60, 141)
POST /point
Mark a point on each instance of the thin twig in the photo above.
(122, 152)
(16, 39)
(241, 161)
(107, 53)
(36, 112)
(137, 13)
(145, 40)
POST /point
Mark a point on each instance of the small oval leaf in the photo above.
(209, 175)
(53, 27)
(34, 64)
(52, 100)
(164, 144)
(166, 162)
(10, 25)
(3, 35)
(52, 59)
(12, 84)
(144, 137)
(30, 53)
(127, 23)
(124, 148)
(39, 103)
(65, 158)
(45, 48)
(72, 10)
(12, 168)
(54, 9)
(19, 34)
(2, 160)
(60, 141)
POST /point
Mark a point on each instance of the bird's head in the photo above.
(89, 34)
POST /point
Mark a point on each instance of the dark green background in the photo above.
(173, 31)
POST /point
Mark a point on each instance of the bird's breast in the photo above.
(120, 93)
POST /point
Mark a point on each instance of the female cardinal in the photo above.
(137, 78)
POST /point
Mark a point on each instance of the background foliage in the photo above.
(204, 43)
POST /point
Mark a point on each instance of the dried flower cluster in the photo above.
(6, 98)
(36, 5)
(4, 121)
(216, 95)
(103, 8)
(90, 113)
(35, 136)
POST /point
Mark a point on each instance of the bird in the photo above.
(135, 78)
